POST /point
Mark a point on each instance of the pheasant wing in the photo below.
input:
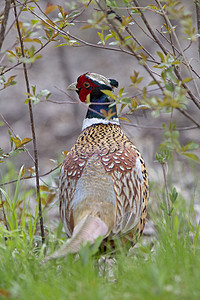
(125, 167)
(71, 171)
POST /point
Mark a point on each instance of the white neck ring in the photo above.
(91, 121)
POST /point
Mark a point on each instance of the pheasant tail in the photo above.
(87, 230)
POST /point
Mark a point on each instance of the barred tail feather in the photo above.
(87, 230)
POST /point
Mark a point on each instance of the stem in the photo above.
(32, 127)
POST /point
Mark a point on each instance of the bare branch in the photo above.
(32, 127)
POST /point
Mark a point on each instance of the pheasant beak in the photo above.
(72, 87)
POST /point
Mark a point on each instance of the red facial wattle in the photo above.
(85, 87)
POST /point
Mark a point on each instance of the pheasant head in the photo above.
(90, 88)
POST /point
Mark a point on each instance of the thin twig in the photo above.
(130, 49)
(142, 29)
(156, 128)
(14, 134)
(180, 52)
(138, 42)
(198, 22)
(188, 116)
(150, 29)
(134, 125)
(32, 128)
(19, 63)
(176, 70)
(11, 25)
(180, 109)
(128, 124)
(127, 29)
(9, 28)
(4, 22)
(194, 99)
(30, 177)
(58, 30)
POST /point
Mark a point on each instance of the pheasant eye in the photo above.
(86, 85)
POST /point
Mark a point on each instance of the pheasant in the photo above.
(103, 180)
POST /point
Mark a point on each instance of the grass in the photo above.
(166, 269)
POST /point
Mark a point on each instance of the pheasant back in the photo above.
(105, 176)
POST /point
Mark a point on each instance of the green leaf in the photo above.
(187, 79)
(108, 36)
(25, 141)
(170, 74)
(20, 143)
(124, 119)
(121, 92)
(33, 89)
(44, 188)
(44, 93)
(27, 100)
(161, 55)
(100, 34)
(190, 146)
(173, 196)
(17, 141)
(109, 93)
(192, 156)
(61, 45)
(169, 86)
(153, 82)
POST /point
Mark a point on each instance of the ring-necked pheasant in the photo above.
(103, 181)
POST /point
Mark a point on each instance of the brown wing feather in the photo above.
(71, 171)
(126, 171)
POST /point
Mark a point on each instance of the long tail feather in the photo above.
(87, 230)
